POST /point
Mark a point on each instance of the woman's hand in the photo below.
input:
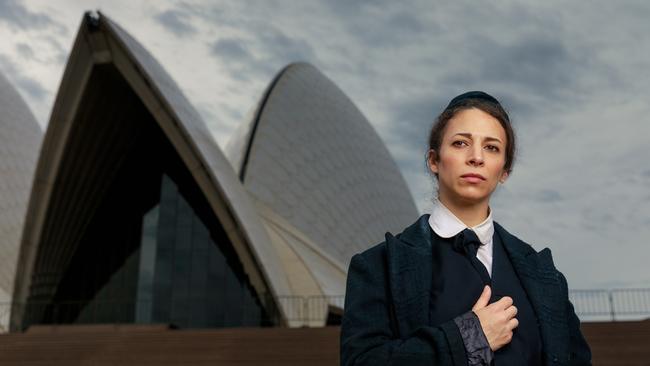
(497, 319)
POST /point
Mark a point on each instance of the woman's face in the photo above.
(472, 157)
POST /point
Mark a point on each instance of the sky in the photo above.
(573, 76)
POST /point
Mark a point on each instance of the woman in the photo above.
(455, 288)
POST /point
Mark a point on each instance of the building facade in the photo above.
(136, 215)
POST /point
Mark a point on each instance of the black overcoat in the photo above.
(387, 305)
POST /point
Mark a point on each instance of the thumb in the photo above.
(484, 299)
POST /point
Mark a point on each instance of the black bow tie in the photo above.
(467, 242)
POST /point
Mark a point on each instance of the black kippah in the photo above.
(472, 95)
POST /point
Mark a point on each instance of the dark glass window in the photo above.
(143, 245)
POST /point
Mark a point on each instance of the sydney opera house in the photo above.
(125, 210)
(128, 236)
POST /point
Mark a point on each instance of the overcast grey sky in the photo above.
(574, 77)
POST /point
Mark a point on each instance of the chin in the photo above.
(473, 200)
(472, 196)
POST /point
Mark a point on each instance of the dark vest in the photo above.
(457, 284)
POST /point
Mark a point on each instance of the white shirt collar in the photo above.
(446, 224)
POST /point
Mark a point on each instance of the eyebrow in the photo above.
(469, 136)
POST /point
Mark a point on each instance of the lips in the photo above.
(473, 177)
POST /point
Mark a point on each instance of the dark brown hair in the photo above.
(493, 109)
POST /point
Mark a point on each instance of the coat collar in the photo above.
(418, 234)
(410, 262)
(410, 271)
(546, 291)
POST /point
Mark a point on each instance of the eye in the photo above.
(460, 143)
(492, 148)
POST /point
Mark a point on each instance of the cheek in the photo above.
(496, 168)
(450, 161)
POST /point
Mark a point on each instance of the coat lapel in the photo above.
(409, 266)
(545, 290)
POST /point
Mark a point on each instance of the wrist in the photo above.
(476, 344)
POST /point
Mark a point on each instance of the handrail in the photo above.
(594, 304)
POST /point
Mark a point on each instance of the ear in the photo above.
(504, 176)
(432, 161)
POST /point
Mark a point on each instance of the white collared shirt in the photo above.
(446, 225)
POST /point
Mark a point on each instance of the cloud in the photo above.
(248, 34)
(570, 77)
(231, 50)
(25, 51)
(383, 26)
(280, 48)
(527, 73)
(539, 66)
(17, 16)
(273, 51)
(23, 82)
(215, 117)
(233, 55)
(413, 118)
(548, 196)
(176, 21)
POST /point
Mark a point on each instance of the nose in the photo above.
(476, 156)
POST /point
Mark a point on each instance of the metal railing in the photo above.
(589, 305)
(309, 309)
(298, 311)
(613, 305)
(5, 313)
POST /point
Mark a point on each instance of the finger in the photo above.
(483, 299)
(512, 311)
(509, 337)
(513, 323)
(505, 302)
